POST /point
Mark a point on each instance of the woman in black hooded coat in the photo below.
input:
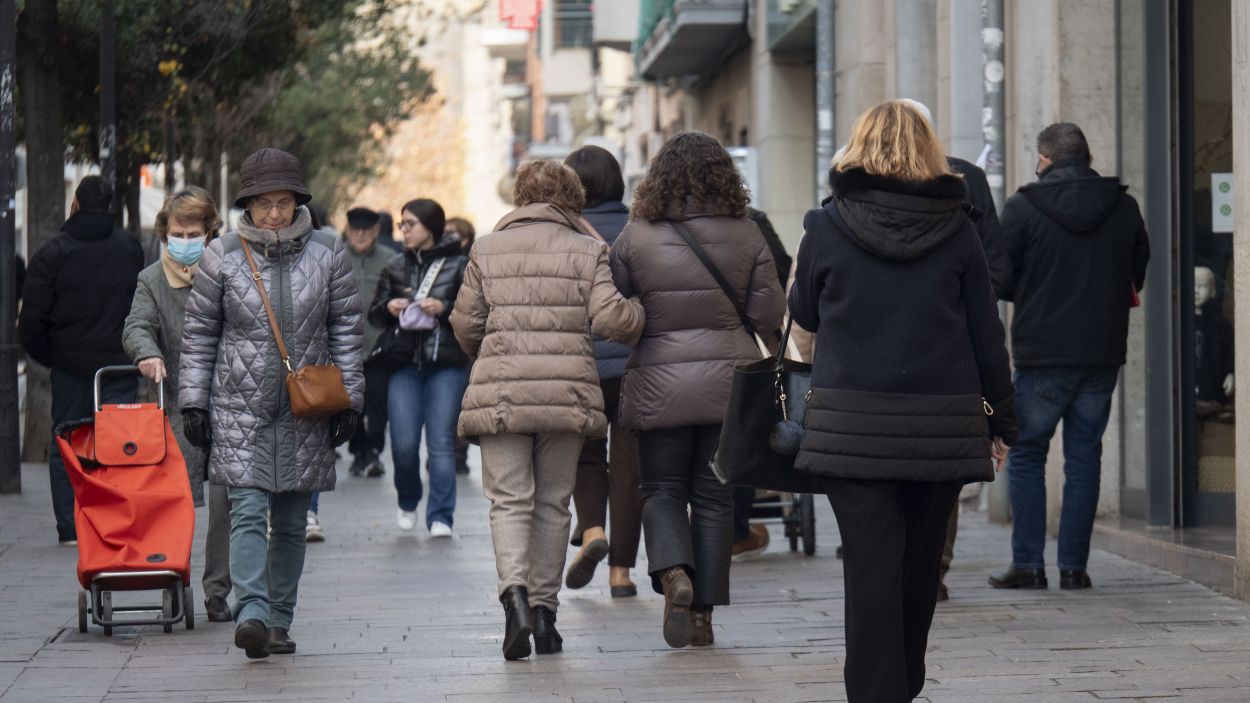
(911, 386)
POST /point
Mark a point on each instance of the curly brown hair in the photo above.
(692, 173)
(548, 181)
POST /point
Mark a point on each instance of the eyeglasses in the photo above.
(405, 225)
(264, 207)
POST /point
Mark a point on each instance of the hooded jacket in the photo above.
(230, 362)
(367, 269)
(910, 351)
(609, 219)
(77, 295)
(1078, 249)
(402, 278)
(534, 291)
(681, 371)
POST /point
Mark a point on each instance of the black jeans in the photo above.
(371, 436)
(607, 483)
(675, 473)
(892, 538)
(73, 398)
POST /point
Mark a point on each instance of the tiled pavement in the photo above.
(385, 617)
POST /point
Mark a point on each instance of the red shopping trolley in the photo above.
(133, 511)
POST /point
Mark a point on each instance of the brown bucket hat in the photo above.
(270, 170)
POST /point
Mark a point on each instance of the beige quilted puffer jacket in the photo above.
(533, 293)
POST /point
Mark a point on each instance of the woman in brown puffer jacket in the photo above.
(533, 293)
(677, 383)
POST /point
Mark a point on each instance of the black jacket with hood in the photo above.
(402, 278)
(910, 351)
(77, 295)
(1078, 250)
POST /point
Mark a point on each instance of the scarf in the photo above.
(300, 227)
(176, 274)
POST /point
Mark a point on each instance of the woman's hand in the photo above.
(153, 368)
(432, 306)
(395, 306)
(998, 450)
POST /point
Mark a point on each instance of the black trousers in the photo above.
(607, 483)
(674, 468)
(73, 398)
(892, 538)
(371, 437)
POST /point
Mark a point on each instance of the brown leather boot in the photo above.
(701, 626)
(678, 594)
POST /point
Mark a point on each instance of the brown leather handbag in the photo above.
(315, 391)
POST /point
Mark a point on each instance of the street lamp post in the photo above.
(10, 433)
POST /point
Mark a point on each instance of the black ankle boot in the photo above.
(1015, 577)
(518, 624)
(546, 639)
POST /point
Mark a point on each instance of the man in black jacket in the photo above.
(75, 301)
(1078, 250)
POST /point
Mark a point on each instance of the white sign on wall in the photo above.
(1221, 202)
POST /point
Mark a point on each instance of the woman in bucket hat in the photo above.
(232, 387)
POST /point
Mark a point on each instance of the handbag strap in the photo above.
(264, 298)
(427, 283)
(716, 274)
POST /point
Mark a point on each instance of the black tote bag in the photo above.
(765, 393)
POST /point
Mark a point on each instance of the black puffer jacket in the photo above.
(1078, 249)
(402, 278)
(892, 278)
(77, 295)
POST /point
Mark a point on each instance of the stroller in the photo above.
(133, 511)
(796, 511)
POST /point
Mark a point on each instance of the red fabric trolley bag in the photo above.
(133, 510)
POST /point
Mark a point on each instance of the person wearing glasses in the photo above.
(232, 388)
(413, 300)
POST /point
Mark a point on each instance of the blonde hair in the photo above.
(191, 204)
(548, 181)
(894, 139)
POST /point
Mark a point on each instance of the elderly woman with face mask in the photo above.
(153, 338)
(233, 390)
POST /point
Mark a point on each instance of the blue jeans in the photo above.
(266, 553)
(1081, 398)
(430, 399)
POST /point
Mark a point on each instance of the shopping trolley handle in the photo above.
(128, 371)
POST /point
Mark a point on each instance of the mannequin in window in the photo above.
(1213, 340)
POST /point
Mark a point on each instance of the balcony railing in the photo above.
(686, 37)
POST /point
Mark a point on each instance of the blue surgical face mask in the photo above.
(185, 251)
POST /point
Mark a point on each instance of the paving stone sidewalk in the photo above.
(390, 617)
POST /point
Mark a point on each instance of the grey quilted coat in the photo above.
(154, 330)
(230, 361)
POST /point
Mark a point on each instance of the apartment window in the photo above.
(574, 24)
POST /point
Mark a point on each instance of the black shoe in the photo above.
(1074, 579)
(359, 462)
(217, 609)
(837, 553)
(1020, 578)
(943, 594)
(374, 467)
(280, 641)
(518, 623)
(462, 465)
(546, 639)
(253, 638)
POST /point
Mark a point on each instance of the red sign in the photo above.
(520, 14)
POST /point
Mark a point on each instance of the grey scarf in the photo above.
(300, 227)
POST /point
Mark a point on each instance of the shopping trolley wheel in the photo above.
(82, 611)
(106, 611)
(188, 606)
(168, 598)
(807, 523)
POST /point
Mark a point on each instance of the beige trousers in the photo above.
(529, 480)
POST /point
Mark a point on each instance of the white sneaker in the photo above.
(439, 529)
(313, 531)
(407, 520)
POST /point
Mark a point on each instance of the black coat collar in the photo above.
(944, 187)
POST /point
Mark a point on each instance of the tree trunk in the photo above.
(45, 182)
(133, 174)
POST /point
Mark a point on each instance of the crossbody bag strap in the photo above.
(264, 298)
(427, 283)
(716, 274)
